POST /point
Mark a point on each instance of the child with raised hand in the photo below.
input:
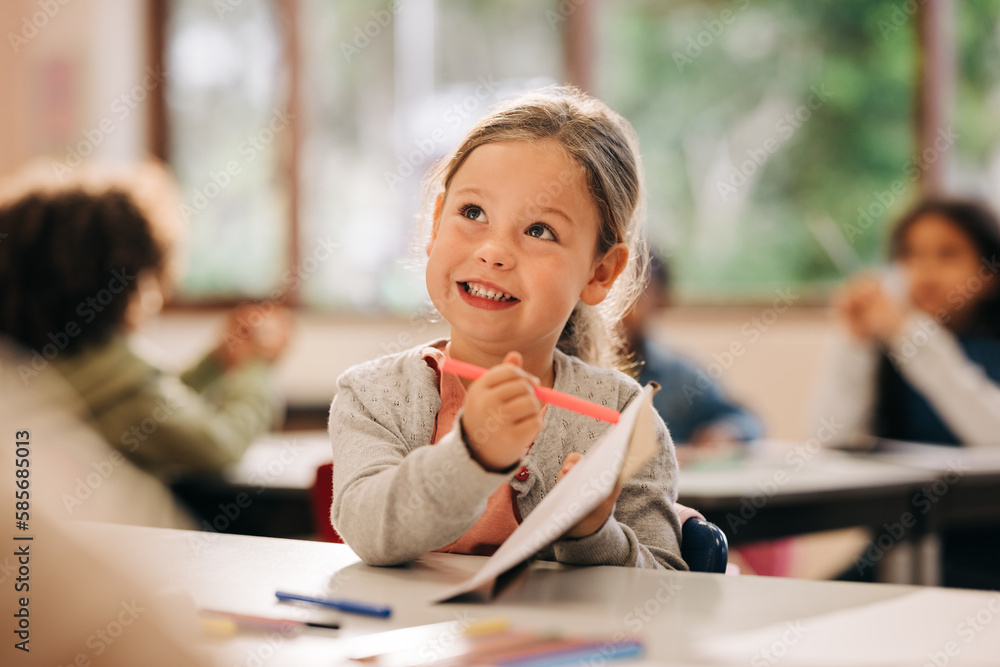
(923, 364)
(921, 361)
(83, 263)
(534, 255)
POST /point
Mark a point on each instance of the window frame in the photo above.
(933, 109)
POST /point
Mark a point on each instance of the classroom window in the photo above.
(764, 127)
(385, 95)
(226, 98)
(977, 93)
(770, 131)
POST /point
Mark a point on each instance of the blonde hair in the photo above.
(605, 146)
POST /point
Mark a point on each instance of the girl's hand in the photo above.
(716, 436)
(684, 513)
(253, 332)
(867, 311)
(502, 415)
(593, 521)
(271, 336)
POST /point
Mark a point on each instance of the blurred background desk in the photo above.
(776, 490)
(967, 490)
(961, 509)
(781, 489)
(682, 617)
(267, 492)
(765, 494)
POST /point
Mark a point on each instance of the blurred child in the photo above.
(81, 265)
(696, 410)
(695, 407)
(923, 361)
(534, 255)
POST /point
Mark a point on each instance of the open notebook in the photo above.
(617, 455)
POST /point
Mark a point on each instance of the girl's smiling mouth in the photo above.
(486, 295)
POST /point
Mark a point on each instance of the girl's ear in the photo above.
(438, 204)
(606, 271)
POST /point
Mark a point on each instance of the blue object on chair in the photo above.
(704, 546)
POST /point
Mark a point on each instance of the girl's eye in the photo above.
(541, 231)
(473, 212)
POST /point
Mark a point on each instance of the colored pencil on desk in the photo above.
(550, 396)
(264, 622)
(580, 654)
(349, 606)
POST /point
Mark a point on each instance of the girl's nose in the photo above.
(496, 253)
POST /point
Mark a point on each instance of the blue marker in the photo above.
(349, 606)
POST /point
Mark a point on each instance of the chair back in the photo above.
(321, 499)
(704, 546)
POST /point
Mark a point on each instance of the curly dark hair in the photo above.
(69, 263)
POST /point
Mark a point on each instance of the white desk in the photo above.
(282, 460)
(777, 490)
(683, 618)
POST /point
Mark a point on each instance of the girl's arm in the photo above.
(163, 425)
(844, 407)
(644, 529)
(393, 503)
(196, 431)
(930, 358)
(708, 405)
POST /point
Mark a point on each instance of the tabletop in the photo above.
(681, 617)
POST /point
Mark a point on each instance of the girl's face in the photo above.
(943, 268)
(514, 248)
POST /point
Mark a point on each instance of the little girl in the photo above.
(533, 258)
(924, 365)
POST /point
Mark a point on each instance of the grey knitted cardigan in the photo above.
(396, 497)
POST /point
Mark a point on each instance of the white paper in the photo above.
(947, 626)
(622, 450)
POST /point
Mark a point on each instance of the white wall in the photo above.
(779, 367)
(63, 80)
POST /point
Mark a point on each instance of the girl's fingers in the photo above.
(514, 358)
(505, 373)
(520, 408)
(872, 293)
(568, 464)
(510, 390)
(526, 432)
